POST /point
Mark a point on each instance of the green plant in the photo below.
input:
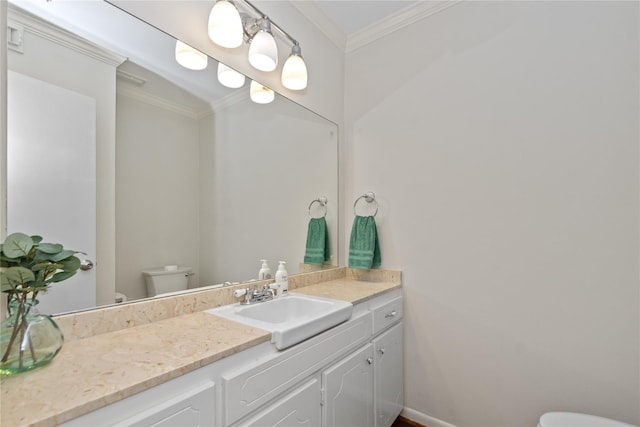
(29, 266)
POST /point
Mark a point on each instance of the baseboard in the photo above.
(419, 417)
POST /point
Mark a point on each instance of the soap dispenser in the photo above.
(265, 271)
(282, 279)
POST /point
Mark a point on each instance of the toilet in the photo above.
(167, 279)
(573, 419)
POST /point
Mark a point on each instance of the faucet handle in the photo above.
(240, 292)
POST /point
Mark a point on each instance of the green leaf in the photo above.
(36, 239)
(63, 275)
(50, 248)
(62, 255)
(8, 262)
(17, 276)
(71, 264)
(17, 245)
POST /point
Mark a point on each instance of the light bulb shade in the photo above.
(225, 26)
(294, 71)
(189, 57)
(229, 77)
(260, 94)
(263, 52)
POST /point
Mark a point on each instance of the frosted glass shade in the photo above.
(189, 57)
(229, 77)
(260, 94)
(294, 73)
(225, 26)
(263, 52)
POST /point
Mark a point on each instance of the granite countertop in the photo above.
(94, 372)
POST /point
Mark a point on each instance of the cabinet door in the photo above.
(299, 408)
(388, 380)
(348, 391)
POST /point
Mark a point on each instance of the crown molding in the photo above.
(235, 97)
(156, 101)
(322, 22)
(31, 24)
(375, 31)
(397, 21)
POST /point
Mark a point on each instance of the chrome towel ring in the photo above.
(323, 203)
(369, 197)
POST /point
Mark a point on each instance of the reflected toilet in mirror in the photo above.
(167, 279)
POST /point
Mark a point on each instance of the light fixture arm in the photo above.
(257, 24)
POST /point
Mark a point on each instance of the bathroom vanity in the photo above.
(348, 375)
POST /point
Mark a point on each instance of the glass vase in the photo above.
(27, 340)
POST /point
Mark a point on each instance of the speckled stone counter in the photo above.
(99, 370)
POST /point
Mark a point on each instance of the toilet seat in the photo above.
(572, 419)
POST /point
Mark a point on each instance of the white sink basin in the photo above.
(290, 319)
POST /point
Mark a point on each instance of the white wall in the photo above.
(502, 141)
(157, 191)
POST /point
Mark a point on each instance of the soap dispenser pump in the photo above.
(282, 279)
(265, 271)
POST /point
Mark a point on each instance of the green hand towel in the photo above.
(317, 242)
(364, 250)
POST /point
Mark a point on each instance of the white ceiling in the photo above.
(352, 16)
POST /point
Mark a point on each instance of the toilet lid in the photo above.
(572, 419)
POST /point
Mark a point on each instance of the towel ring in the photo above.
(323, 202)
(368, 197)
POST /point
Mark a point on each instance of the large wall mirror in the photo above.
(117, 151)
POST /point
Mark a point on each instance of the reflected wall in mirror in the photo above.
(172, 167)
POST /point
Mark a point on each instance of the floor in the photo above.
(404, 422)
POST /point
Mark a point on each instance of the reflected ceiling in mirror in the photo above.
(187, 172)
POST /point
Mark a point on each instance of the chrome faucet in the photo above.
(252, 297)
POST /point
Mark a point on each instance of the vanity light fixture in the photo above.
(263, 52)
(258, 33)
(294, 70)
(225, 26)
(189, 57)
(260, 94)
(229, 77)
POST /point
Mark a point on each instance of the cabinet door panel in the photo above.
(299, 408)
(388, 380)
(348, 391)
(191, 409)
(186, 401)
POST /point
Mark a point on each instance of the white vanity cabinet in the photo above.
(359, 365)
(348, 376)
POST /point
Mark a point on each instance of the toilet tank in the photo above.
(166, 279)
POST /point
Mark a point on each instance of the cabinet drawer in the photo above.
(387, 314)
(246, 390)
